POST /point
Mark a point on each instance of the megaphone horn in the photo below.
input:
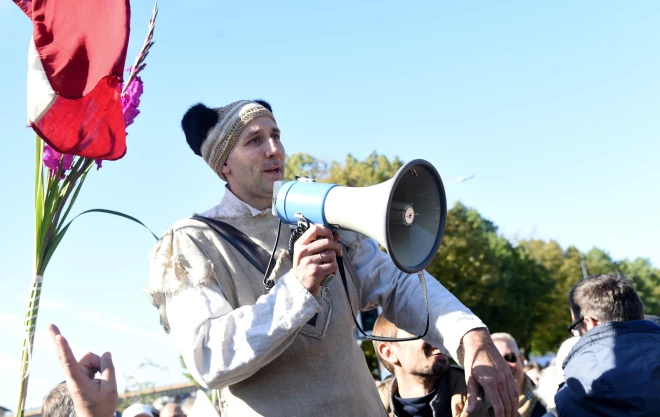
(406, 214)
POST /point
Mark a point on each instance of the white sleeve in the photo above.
(400, 295)
(222, 346)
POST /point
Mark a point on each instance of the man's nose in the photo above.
(274, 148)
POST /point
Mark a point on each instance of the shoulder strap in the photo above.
(254, 253)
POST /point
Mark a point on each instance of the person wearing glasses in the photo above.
(529, 404)
(614, 369)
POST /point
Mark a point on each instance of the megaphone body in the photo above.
(406, 214)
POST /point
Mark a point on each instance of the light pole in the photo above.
(584, 265)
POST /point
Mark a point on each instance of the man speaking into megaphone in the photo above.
(262, 321)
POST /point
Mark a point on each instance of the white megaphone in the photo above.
(406, 214)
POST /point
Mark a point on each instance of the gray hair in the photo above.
(58, 402)
(506, 337)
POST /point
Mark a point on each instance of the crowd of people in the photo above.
(276, 338)
(609, 367)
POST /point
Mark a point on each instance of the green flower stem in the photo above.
(54, 199)
(29, 324)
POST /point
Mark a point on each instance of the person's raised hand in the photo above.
(91, 397)
(315, 256)
(485, 367)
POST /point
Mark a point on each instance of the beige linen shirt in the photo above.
(223, 345)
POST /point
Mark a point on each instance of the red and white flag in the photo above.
(76, 61)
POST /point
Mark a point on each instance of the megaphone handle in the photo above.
(301, 227)
(422, 282)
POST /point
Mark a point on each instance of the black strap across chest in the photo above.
(254, 253)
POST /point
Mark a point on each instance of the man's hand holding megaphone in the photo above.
(315, 256)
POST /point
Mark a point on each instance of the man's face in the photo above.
(420, 358)
(255, 163)
(508, 352)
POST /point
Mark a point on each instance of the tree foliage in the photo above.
(353, 173)
(497, 280)
(304, 165)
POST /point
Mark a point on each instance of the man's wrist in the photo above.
(474, 337)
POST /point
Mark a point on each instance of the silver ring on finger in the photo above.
(320, 257)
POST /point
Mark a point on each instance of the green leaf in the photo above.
(57, 197)
(117, 213)
(38, 195)
(47, 228)
(50, 249)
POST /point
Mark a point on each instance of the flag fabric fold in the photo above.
(75, 68)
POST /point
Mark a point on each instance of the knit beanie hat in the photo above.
(212, 133)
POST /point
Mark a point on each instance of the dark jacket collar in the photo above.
(607, 330)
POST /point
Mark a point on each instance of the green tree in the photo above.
(599, 262)
(527, 287)
(354, 173)
(498, 281)
(304, 165)
(646, 280)
(564, 270)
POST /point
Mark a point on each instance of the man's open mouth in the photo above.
(433, 351)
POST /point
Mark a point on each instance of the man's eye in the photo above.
(276, 137)
(254, 140)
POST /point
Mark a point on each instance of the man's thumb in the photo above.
(107, 368)
(472, 392)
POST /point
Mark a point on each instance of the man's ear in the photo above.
(590, 322)
(225, 169)
(387, 352)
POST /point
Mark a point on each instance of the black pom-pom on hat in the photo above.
(265, 104)
(196, 124)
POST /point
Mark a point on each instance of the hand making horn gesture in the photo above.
(91, 397)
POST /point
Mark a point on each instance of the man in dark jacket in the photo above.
(424, 384)
(614, 369)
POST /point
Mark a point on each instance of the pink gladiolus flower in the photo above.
(131, 100)
(52, 160)
(129, 105)
(67, 162)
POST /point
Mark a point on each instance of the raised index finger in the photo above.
(70, 366)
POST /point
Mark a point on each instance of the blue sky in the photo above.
(552, 106)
